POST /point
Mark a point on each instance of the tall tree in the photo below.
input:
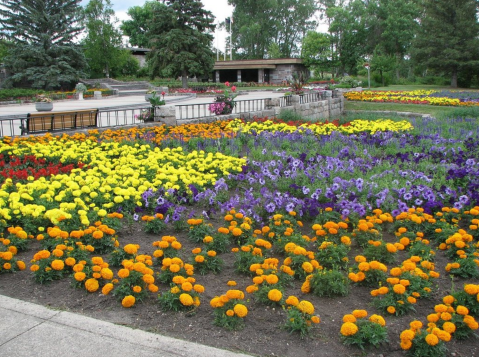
(316, 52)
(138, 27)
(258, 24)
(448, 37)
(181, 38)
(43, 53)
(103, 41)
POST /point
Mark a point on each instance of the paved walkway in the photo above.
(30, 330)
(19, 109)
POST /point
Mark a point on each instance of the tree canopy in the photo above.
(43, 54)
(180, 38)
(139, 26)
(257, 25)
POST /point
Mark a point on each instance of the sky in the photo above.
(219, 8)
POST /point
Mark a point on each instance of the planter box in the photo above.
(43, 106)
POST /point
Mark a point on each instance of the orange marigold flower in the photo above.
(128, 301)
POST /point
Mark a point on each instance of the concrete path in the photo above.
(20, 109)
(30, 330)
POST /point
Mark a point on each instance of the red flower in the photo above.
(227, 83)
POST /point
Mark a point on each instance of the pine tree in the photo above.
(42, 31)
(448, 37)
(180, 37)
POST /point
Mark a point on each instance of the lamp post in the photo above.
(368, 67)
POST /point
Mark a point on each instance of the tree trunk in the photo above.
(454, 79)
(184, 79)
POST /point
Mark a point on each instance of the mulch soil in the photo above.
(262, 335)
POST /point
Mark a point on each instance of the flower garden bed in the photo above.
(264, 237)
(431, 97)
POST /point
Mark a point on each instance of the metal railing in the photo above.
(16, 125)
(286, 101)
(196, 111)
(310, 97)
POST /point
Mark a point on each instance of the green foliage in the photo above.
(155, 226)
(444, 36)
(298, 321)
(180, 40)
(382, 252)
(316, 52)
(369, 334)
(270, 27)
(138, 27)
(43, 54)
(103, 40)
(329, 283)
(207, 261)
(420, 348)
(333, 256)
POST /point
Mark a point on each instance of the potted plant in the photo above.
(43, 103)
(149, 94)
(224, 104)
(80, 88)
(145, 115)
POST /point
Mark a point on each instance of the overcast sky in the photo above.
(219, 8)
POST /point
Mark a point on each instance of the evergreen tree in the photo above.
(180, 37)
(448, 37)
(103, 41)
(138, 27)
(42, 32)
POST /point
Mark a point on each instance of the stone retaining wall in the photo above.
(331, 107)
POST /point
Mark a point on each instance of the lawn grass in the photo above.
(432, 110)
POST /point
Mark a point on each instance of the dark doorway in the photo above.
(249, 75)
(228, 75)
(266, 75)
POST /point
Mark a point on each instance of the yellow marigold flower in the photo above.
(123, 273)
(462, 310)
(107, 289)
(391, 309)
(131, 248)
(359, 314)
(272, 279)
(186, 299)
(406, 344)
(292, 300)
(449, 327)
(186, 286)
(471, 289)
(378, 319)
(305, 307)
(240, 310)
(349, 329)
(349, 318)
(234, 294)
(21, 265)
(275, 295)
(79, 276)
(399, 289)
(57, 264)
(407, 335)
(440, 308)
(251, 289)
(432, 340)
(415, 325)
(315, 319)
(237, 232)
(230, 313)
(128, 301)
(231, 283)
(211, 253)
(199, 288)
(91, 285)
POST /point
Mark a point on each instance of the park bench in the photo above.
(58, 121)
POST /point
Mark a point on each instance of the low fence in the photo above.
(317, 105)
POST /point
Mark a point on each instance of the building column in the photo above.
(260, 75)
(217, 76)
(238, 75)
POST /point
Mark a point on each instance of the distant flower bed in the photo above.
(431, 97)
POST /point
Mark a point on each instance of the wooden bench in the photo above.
(58, 121)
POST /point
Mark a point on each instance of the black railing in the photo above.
(195, 111)
(310, 97)
(286, 101)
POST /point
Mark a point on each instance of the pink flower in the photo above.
(227, 83)
(163, 93)
(233, 88)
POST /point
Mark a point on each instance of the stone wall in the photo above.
(284, 72)
(330, 107)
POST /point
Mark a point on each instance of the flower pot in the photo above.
(43, 106)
